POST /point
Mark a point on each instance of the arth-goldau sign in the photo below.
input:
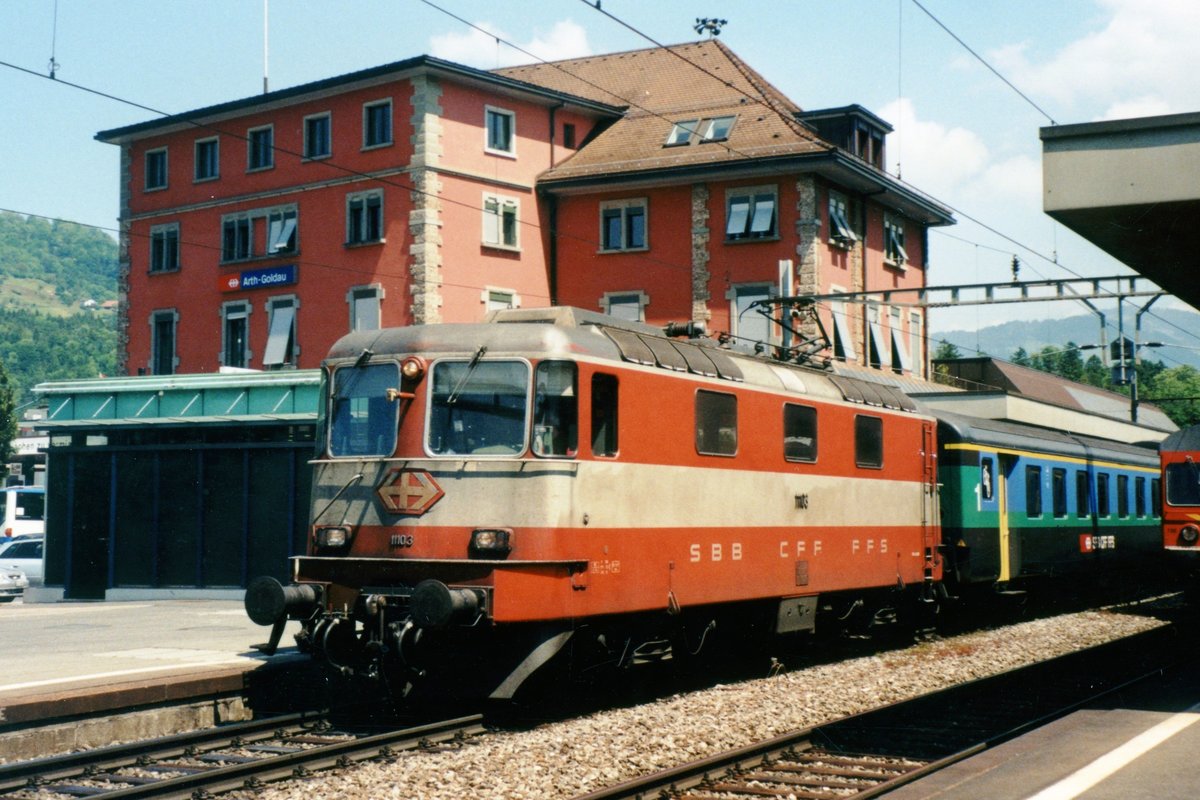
(259, 278)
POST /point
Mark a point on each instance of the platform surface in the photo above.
(146, 651)
(1140, 746)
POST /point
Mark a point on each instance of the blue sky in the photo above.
(962, 135)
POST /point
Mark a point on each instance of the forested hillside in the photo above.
(46, 270)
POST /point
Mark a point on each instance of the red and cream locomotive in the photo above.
(557, 483)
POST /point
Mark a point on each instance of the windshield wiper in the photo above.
(453, 398)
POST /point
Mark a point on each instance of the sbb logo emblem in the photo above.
(233, 282)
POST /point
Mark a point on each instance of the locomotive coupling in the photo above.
(436, 605)
(268, 601)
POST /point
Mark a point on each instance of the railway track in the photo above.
(201, 763)
(878, 751)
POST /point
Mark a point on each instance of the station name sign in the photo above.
(259, 278)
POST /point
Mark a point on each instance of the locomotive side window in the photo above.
(799, 433)
(716, 424)
(1122, 496)
(1139, 496)
(1033, 491)
(1183, 484)
(1082, 493)
(1058, 485)
(478, 407)
(604, 415)
(363, 420)
(555, 411)
(1102, 509)
(868, 442)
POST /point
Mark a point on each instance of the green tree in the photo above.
(1021, 358)
(1176, 391)
(946, 350)
(8, 417)
(1094, 373)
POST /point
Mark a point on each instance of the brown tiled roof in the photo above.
(664, 85)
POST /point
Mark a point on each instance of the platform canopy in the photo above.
(1132, 188)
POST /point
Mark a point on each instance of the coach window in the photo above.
(1058, 486)
(1122, 496)
(799, 433)
(1033, 491)
(604, 415)
(363, 420)
(716, 424)
(987, 478)
(555, 412)
(1102, 509)
(1139, 496)
(1156, 497)
(868, 442)
(1082, 486)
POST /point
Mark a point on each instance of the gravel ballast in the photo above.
(573, 757)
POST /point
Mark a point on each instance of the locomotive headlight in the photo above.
(412, 368)
(491, 542)
(332, 536)
(1189, 534)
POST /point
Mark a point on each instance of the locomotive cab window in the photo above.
(799, 433)
(868, 442)
(555, 410)
(604, 415)
(1183, 484)
(478, 407)
(716, 424)
(363, 419)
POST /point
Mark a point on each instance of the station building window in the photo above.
(208, 163)
(365, 307)
(750, 328)
(629, 306)
(377, 124)
(364, 217)
(260, 233)
(164, 324)
(164, 247)
(750, 213)
(156, 169)
(868, 442)
(623, 225)
(499, 131)
(317, 135)
(282, 349)
(260, 144)
(499, 299)
(235, 334)
(500, 217)
(893, 241)
(716, 423)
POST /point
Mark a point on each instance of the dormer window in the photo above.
(840, 231)
(698, 131)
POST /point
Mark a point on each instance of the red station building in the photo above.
(667, 184)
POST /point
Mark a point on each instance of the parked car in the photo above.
(12, 584)
(24, 553)
(24, 510)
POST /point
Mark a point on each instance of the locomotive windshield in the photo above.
(478, 407)
(1183, 484)
(363, 419)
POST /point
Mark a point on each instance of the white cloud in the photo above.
(933, 157)
(1143, 57)
(566, 39)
